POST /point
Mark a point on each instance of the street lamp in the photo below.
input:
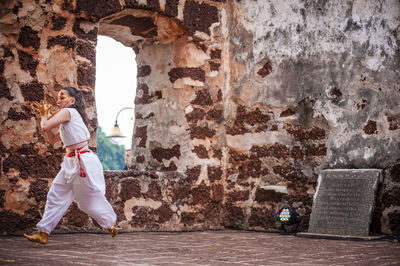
(116, 131)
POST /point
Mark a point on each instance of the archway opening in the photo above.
(165, 54)
(115, 91)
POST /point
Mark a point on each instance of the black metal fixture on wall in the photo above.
(289, 219)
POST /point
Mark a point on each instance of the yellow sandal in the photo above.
(40, 237)
(113, 230)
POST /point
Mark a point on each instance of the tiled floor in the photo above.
(196, 248)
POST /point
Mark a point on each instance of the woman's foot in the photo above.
(40, 237)
(113, 230)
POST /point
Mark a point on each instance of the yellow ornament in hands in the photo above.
(50, 113)
(43, 108)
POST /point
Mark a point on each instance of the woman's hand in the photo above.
(43, 108)
(50, 120)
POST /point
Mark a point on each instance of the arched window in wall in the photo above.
(115, 89)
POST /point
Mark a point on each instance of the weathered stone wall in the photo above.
(239, 104)
(314, 85)
(43, 48)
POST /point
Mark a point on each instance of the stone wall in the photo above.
(239, 105)
(324, 75)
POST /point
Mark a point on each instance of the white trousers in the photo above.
(85, 191)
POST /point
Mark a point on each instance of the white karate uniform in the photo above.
(88, 192)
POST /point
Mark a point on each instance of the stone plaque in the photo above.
(344, 202)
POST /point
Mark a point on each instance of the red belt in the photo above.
(78, 153)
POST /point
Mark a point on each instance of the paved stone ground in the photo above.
(196, 248)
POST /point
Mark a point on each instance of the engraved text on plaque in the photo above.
(344, 202)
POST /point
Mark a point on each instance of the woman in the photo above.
(81, 176)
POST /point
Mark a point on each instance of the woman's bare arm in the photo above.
(52, 137)
(48, 125)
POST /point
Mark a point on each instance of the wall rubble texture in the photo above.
(239, 105)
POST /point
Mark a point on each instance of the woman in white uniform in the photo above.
(81, 176)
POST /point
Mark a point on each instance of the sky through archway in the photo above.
(115, 86)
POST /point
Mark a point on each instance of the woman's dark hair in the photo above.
(78, 105)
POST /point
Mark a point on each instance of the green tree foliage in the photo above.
(112, 156)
